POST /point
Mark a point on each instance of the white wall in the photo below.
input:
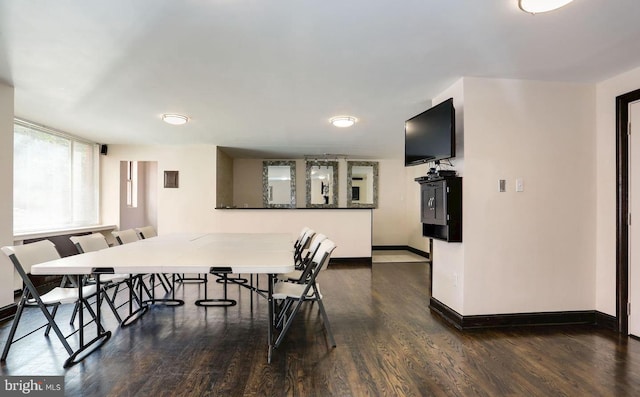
(606, 93)
(6, 191)
(532, 251)
(179, 210)
(448, 272)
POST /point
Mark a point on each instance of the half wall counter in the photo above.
(349, 228)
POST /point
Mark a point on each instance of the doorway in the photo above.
(138, 194)
(634, 230)
(623, 103)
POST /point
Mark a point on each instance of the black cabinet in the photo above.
(441, 208)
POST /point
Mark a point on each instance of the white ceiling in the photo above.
(266, 75)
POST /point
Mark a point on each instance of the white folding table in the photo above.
(255, 253)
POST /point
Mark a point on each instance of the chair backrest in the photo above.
(146, 232)
(89, 242)
(125, 236)
(319, 261)
(313, 246)
(303, 232)
(26, 255)
(323, 253)
(301, 245)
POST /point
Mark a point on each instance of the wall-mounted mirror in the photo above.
(279, 184)
(362, 184)
(322, 184)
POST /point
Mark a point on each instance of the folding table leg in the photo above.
(225, 301)
(101, 335)
(270, 329)
(142, 307)
(163, 301)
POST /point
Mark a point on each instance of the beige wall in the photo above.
(390, 222)
(179, 210)
(389, 219)
(532, 251)
(6, 191)
(606, 93)
(224, 179)
(191, 207)
(247, 183)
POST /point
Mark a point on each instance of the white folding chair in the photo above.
(291, 296)
(301, 245)
(132, 235)
(125, 236)
(25, 256)
(96, 242)
(146, 232)
(296, 275)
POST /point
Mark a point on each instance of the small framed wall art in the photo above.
(171, 179)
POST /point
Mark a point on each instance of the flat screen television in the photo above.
(431, 135)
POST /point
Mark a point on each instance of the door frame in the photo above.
(622, 208)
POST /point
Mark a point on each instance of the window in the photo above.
(132, 184)
(55, 182)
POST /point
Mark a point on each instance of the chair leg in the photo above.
(327, 326)
(76, 306)
(14, 326)
(116, 288)
(134, 315)
(112, 305)
(43, 308)
(53, 316)
(164, 286)
(288, 322)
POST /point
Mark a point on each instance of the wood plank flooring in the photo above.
(388, 344)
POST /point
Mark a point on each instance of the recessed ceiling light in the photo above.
(175, 119)
(343, 121)
(537, 6)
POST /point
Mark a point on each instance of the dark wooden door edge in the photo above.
(622, 208)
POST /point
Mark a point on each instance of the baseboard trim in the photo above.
(419, 252)
(606, 321)
(389, 247)
(350, 261)
(7, 312)
(579, 317)
(400, 248)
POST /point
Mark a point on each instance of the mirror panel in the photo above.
(362, 184)
(279, 184)
(322, 184)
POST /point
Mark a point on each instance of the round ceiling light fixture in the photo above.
(538, 6)
(343, 121)
(175, 119)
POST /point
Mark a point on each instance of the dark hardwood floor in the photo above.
(388, 344)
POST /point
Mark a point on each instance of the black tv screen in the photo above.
(431, 135)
